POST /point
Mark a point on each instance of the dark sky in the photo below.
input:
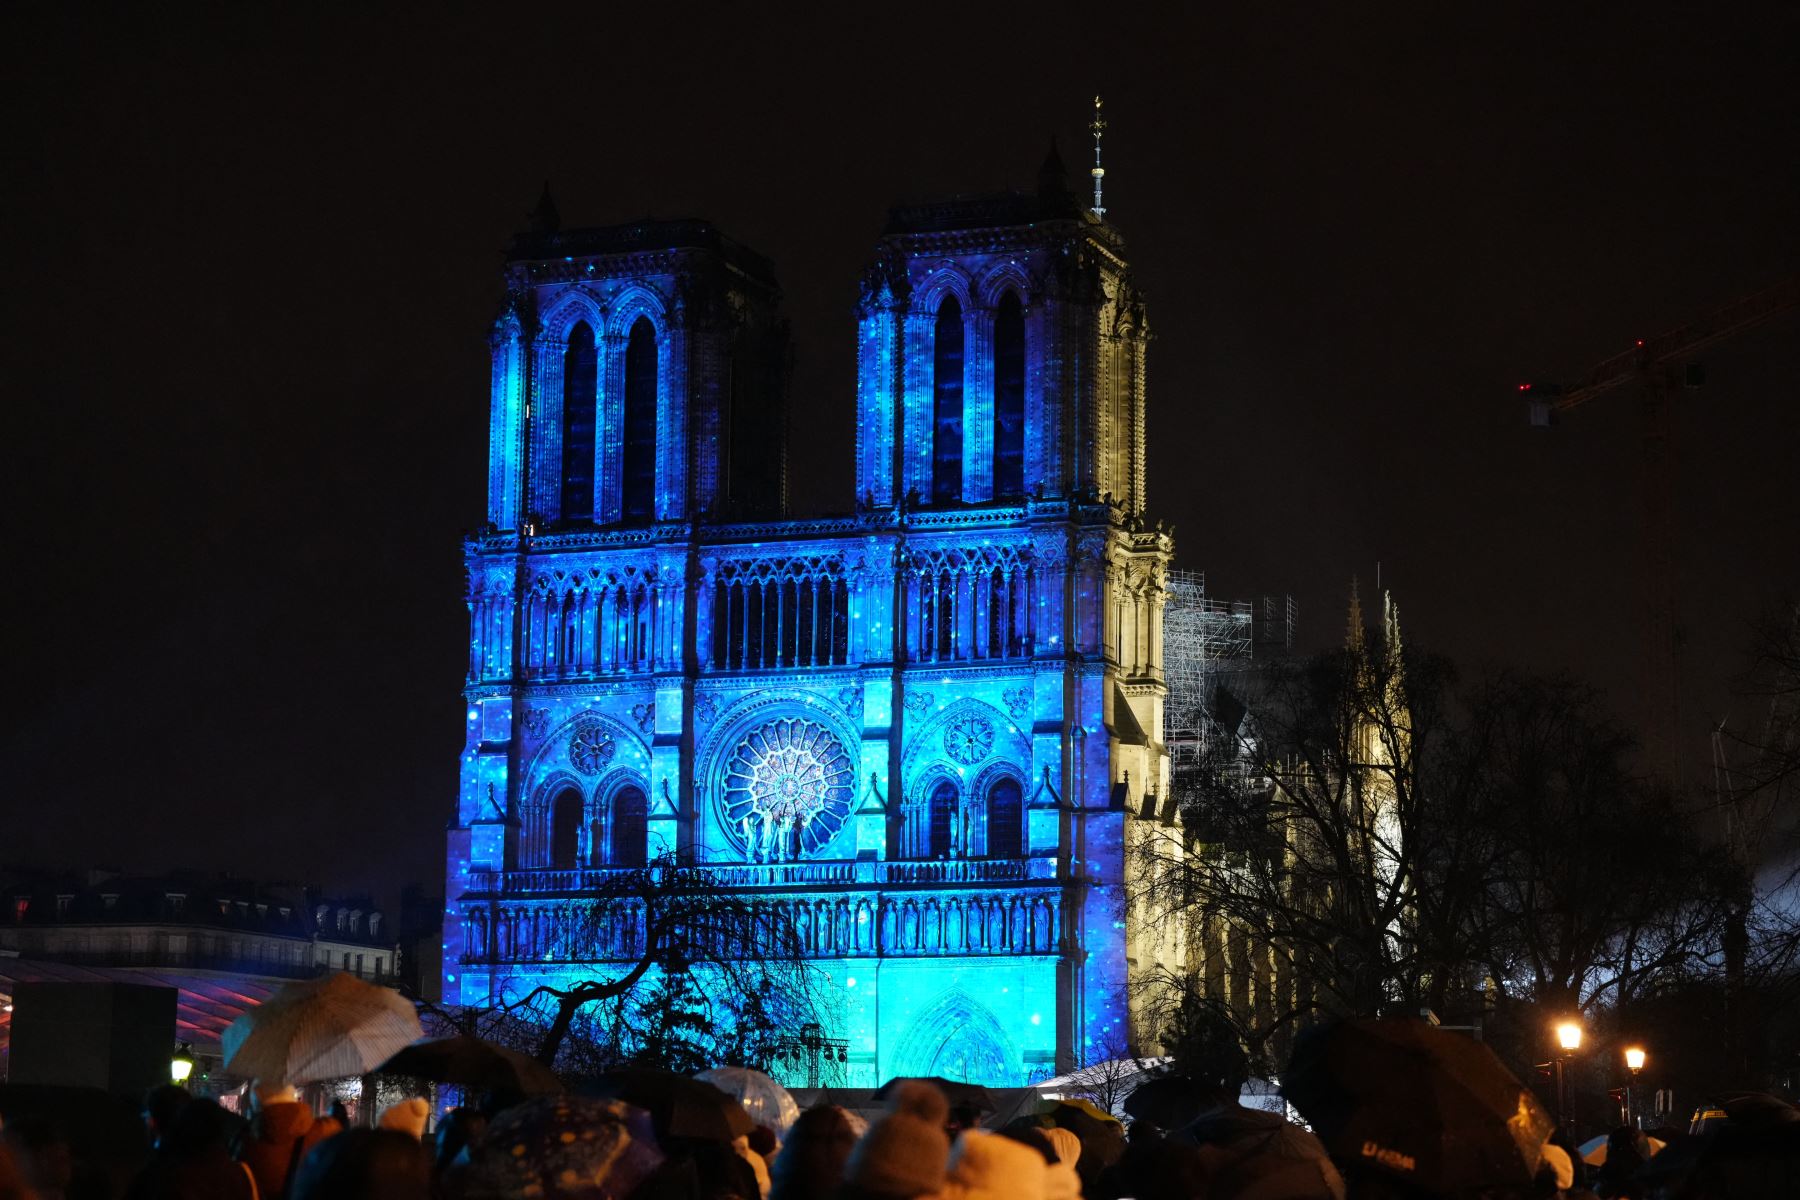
(250, 262)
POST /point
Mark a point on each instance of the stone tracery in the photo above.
(787, 790)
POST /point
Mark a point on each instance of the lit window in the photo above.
(947, 404)
(1009, 397)
(630, 828)
(579, 400)
(565, 829)
(638, 502)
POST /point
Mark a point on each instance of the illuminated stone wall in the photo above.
(919, 733)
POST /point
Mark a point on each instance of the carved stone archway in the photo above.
(958, 1038)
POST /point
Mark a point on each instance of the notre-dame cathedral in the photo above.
(923, 731)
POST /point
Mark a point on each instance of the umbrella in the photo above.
(1169, 1101)
(563, 1146)
(1593, 1151)
(323, 1028)
(473, 1063)
(959, 1095)
(1427, 1105)
(679, 1107)
(1251, 1154)
(767, 1102)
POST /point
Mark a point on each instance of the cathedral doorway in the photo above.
(958, 1038)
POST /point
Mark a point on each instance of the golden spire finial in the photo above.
(1098, 126)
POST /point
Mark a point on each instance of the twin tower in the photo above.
(920, 734)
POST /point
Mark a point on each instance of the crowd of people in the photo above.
(922, 1144)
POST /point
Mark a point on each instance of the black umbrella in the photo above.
(959, 1095)
(1423, 1104)
(679, 1107)
(1169, 1101)
(1101, 1134)
(473, 1063)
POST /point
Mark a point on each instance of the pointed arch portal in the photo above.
(958, 1038)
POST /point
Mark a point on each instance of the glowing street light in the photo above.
(181, 1065)
(1634, 1059)
(1568, 1036)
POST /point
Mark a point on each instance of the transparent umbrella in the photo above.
(767, 1102)
(324, 1028)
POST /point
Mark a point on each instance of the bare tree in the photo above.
(685, 971)
(1378, 837)
(1112, 1072)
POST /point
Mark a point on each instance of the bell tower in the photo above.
(1000, 355)
(639, 376)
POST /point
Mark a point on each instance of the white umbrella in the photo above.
(767, 1102)
(323, 1028)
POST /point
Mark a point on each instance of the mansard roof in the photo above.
(636, 237)
(184, 898)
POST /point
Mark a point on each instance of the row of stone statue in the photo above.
(615, 930)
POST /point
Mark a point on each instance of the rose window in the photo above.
(591, 746)
(788, 788)
(968, 739)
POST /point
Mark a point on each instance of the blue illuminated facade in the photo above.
(921, 732)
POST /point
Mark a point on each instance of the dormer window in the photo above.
(62, 906)
(109, 901)
(177, 902)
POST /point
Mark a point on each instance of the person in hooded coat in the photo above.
(281, 1133)
(810, 1164)
(194, 1160)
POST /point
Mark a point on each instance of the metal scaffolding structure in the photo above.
(1204, 641)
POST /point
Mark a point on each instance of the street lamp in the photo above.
(1568, 1037)
(181, 1064)
(1634, 1062)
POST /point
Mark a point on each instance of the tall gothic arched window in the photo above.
(947, 404)
(1009, 397)
(1005, 819)
(630, 828)
(941, 813)
(579, 398)
(565, 829)
(639, 500)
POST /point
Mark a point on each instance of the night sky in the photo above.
(251, 260)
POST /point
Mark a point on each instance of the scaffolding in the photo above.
(1200, 636)
(1205, 641)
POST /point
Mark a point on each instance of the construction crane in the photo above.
(1659, 367)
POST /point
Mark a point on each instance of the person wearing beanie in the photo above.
(993, 1166)
(904, 1153)
(408, 1116)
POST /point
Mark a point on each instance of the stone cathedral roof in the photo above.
(636, 237)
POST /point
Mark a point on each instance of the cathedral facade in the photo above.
(921, 731)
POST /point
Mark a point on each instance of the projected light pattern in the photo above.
(788, 787)
(916, 735)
